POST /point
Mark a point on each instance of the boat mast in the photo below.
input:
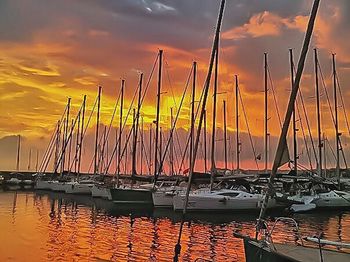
(58, 136)
(77, 144)
(192, 109)
(171, 144)
(295, 145)
(70, 143)
(319, 164)
(225, 134)
(133, 152)
(150, 148)
(37, 160)
(282, 143)
(141, 146)
(266, 112)
(160, 147)
(203, 106)
(212, 157)
(324, 155)
(205, 141)
(97, 127)
(65, 137)
(157, 113)
(238, 151)
(136, 127)
(81, 134)
(337, 134)
(18, 152)
(29, 158)
(120, 130)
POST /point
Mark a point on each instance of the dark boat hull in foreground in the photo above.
(132, 196)
(259, 251)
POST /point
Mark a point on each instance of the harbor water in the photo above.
(47, 226)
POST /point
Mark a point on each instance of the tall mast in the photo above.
(319, 164)
(134, 141)
(77, 144)
(126, 157)
(337, 168)
(282, 142)
(97, 127)
(18, 152)
(29, 158)
(150, 148)
(213, 167)
(141, 147)
(37, 160)
(171, 144)
(65, 137)
(237, 126)
(203, 106)
(120, 130)
(136, 124)
(205, 141)
(58, 136)
(81, 134)
(160, 146)
(225, 135)
(157, 113)
(266, 112)
(324, 155)
(70, 143)
(295, 145)
(192, 108)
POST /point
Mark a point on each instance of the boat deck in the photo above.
(310, 254)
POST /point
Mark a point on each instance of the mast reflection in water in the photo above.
(39, 226)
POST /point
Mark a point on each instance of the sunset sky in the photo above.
(52, 50)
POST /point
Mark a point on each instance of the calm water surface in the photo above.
(41, 226)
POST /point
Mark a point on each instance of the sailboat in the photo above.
(265, 249)
(16, 180)
(132, 194)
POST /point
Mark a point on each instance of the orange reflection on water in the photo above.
(58, 227)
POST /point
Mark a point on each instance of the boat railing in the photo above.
(283, 220)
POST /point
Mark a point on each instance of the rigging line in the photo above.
(62, 116)
(304, 135)
(189, 135)
(274, 96)
(326, 92)
(144, 151)
(330, 147)
(330, 108)
(52, 138)
(174, 124)
(301, 97)
(169, 81)
(127, 116)
(110, 123)
(248, 129)
(48, 153)
(67, 140)
(343, 105)
(173, 97)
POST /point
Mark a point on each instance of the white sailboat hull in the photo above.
(42, 185)
(217, 202)
(333, 199)
(163, 198)
(101, 191)
(79, 189)
(13, 181)
(58, 186)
